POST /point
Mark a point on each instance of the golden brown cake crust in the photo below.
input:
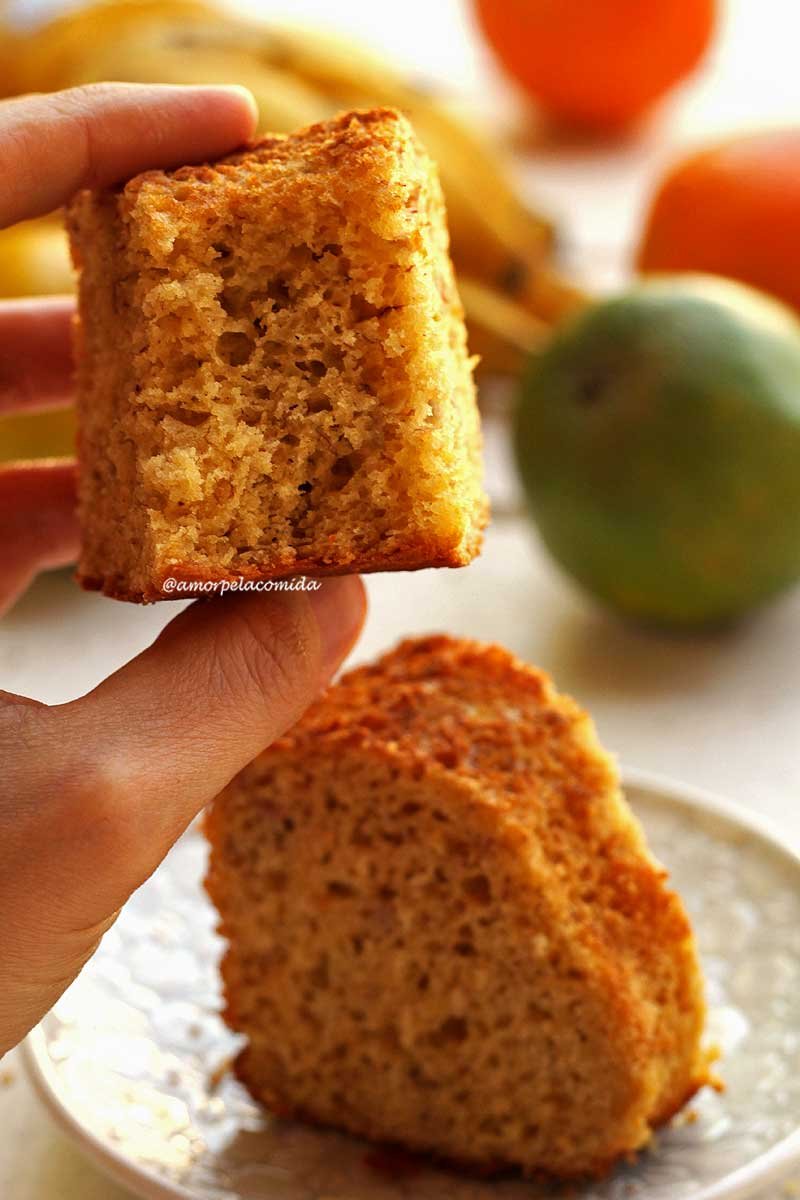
(272, 366)
(419, 558)
(455, 762)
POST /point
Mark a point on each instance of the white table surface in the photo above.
(721, 711)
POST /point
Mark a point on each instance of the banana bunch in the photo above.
(503, 251)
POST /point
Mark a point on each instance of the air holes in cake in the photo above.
(289, 439)
(278, 292)
(344, 469)
(234, 301)
(452, 1031)
(464, 946)
(223, 490)
(363, 310)
(478, 888)
(305, 488)
(188, 416)
(319, 975)
(315, 367)
(337, 888)
(234, 348)
(423, 983)
(181, 248)
(448, 757)
(329, 248)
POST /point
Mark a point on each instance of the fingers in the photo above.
(38, 525)
(51, 146)
(143, 753)
(93, 793)
(35, 353)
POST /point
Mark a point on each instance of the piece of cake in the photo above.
(445, 929)
(273, 373)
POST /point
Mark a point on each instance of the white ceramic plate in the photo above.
(131, 1059)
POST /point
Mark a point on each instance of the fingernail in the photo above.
(244, 94)
(339, 607)
(235, 89)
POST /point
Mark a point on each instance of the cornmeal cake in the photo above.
(273, 371)
(445, 929)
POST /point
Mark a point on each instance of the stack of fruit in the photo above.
(658, 433)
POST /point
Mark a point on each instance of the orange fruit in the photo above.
(732, 209)
(597, 63)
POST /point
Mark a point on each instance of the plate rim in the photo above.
(140, 1181)
(768, 1168)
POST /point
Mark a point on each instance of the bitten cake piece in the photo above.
(445, 929)
(273, 372)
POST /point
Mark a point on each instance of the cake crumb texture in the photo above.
(273, 372)
(445, 929)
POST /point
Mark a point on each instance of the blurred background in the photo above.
(580, 146)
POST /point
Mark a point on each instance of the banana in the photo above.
(502, 249)
(551, 296)
(309, 74)
(284, 101)
(49, 58)
(166, 41)
(37, 435)
(501, 332)
(494, 235)
(34, 259)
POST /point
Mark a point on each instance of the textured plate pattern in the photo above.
(133, 1056)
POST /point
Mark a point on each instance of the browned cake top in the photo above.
(476, 709)
(360, 131)
(343, 156)
(484, 715)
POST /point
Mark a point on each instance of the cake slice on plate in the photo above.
(445, 929)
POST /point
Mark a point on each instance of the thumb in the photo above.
(115, 777)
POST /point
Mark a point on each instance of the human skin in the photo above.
(94, 792)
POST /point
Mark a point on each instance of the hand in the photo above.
(93, 793)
